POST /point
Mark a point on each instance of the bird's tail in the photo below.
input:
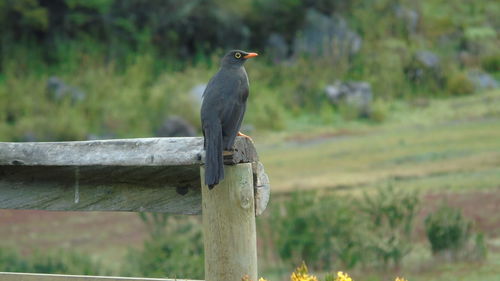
(214, 163)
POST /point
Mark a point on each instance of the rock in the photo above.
(482, 81)
(428, 59)
(58, 90)
(175, 126)
(409, 17)
(277, 48)
(425, 65)
(358, 95)
(322, 35)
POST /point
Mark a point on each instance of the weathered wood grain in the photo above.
(150, 175)
(101, 188)
(14, 276)
(229, 226)
(262, 188)
(118, 152)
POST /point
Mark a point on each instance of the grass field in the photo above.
(449, 144)
(449, 149)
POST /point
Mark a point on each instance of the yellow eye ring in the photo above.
(237, 55)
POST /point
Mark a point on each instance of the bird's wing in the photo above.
(218, 95)
(232, 119)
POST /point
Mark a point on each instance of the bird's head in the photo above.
(236, 58)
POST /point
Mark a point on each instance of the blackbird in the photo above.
(222, 110)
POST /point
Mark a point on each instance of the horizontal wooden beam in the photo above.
(96, 188)
(12, 276)
(139, 175)
(118, 152)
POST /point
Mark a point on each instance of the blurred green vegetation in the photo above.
(447, 230)
(128, 64)
(59, 262)
(136, 61)
(174, 249)
(331, 231)
(451, 236)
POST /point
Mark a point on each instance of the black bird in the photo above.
(222, 110)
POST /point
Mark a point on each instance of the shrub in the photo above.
(390, 217)
(328, 230)
(265, 110)
(459, 84)
(380, 111)
(10, 261)
(156, 223)
(64, 262)
(491, 63)
(447, 231)
(319, 230)
(56, 262)
(479, 250)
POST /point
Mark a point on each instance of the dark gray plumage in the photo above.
(222, 110)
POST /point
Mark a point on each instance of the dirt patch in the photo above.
(110, 232)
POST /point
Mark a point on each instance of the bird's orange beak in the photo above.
(251, 55)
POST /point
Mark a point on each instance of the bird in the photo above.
(222, 111)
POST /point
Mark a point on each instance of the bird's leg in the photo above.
(228, 146)
(245, 136)
(228, 151)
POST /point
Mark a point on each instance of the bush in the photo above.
(380, 111)
(459, 84)
(328, 230)
(320, 230)
(448, 231)
(390, 217)
(56, 262)
(64, 262)
(10, 261)
(491, 63)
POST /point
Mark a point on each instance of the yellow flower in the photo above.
(302, 277)
(262, 279)
(341, 276)
(400, 279)
(302, 274)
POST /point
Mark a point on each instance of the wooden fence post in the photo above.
(229, 226)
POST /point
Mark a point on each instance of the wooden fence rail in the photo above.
(14, 276)
(145, 175)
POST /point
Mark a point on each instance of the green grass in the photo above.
(488, 270)
(452, 143)
(429, 270)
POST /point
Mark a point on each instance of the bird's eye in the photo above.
(237, 55)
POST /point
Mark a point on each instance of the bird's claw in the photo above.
(240, 134)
